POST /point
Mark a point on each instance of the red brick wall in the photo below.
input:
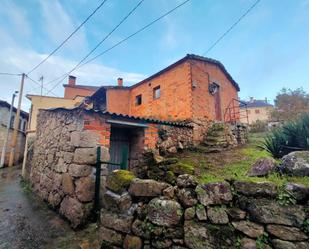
(203, 105)
(151, 136)
(98, 125)
(117, 100)
(175, 99)
(72, 92)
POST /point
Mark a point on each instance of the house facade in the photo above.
(21, 134)
(256, 110)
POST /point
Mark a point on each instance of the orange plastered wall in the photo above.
(118, 100)
(98, 125)
(151, 136)
(175, 100)
(72, 92)
(203, 104)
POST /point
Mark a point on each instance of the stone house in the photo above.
(167, 112)
(21, 135)
(256, 110)
(194, 88)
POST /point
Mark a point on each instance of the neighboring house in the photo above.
(256, 110)
(21, 135)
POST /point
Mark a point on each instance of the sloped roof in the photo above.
(192, 57)
(257, 103)
(6, 104)
(116, 115)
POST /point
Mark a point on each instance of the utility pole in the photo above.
(7, 130)
(41, 79)
(16, 122)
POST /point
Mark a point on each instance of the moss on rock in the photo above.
(182, 168)
(119, 180)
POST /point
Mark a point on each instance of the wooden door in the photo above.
(217, 100)
(119, 148)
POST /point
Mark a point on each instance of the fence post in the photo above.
(97, 184)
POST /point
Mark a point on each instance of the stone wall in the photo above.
(62, 171)
(144, 213)
(174, 138)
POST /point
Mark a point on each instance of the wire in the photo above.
(96, 46)
(37, 83)
(57, 48)
(233, 26)
(10, 74)
(120, 42)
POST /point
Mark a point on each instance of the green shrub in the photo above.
(258, 126)
(292, 136)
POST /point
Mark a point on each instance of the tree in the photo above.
(289, 104)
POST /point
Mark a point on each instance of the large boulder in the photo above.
(286, 233)
(270, 212)
(119, 180)
(282, 244)
(296, 163)
(132, 242)
(186, 180)
(298, 191)
(147, 187)
(117, 202)
(256, 189)
(85, 189)
(197, 236)
(187, 197)
(262, 167)
(110, 237)
(85, 156)
(74, 211)
(214, 193)
(249, 228)
(217, 215)
(116, 222)
(164, 212)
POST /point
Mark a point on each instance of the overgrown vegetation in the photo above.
(234, 164)
(292, 136)
(258, 126)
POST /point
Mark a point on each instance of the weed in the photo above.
(285, 197)
(261, 241)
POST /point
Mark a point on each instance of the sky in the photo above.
(266, 51)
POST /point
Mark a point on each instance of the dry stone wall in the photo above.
(145, 213)
(62, 171)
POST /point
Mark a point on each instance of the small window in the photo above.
(257, 111)
(156, 92)
(138, 100)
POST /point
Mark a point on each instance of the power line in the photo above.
(57, 48)
(37, 83)
(96, 46)
(10, 74)
(233, 26)
(119, 43)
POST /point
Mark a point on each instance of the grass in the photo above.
(234, 164)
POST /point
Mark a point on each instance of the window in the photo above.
(156, 92)
(257, 111)
(138, 100)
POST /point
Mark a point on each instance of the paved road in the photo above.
(27, 223)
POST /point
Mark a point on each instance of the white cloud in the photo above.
(17, 17)
(58, 25)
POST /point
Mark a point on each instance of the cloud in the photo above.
(58, 25)
(16, 17)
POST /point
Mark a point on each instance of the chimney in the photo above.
(120, 81)
(72, 80)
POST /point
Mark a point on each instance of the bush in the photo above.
(258, 126)
(292, 136)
